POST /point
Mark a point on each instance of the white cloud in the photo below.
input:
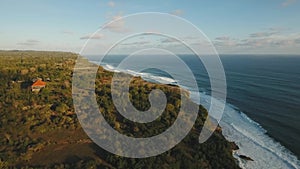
(225, 41)
(29, 42)
(260, 42)
(286, 3)
(277, 29)
(177, 12)
(111, 4)
(136, 43)
(262, 34)
(271, 38)
(91, 36)
(117, 25)
(222, 38)
(273, 42)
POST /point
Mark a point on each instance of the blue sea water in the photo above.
(262, 113)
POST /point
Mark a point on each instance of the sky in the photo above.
(233, 27)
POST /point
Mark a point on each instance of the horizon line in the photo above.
(33, 50)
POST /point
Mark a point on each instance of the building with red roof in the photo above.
(38, 85)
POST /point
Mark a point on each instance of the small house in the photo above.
(38, 85)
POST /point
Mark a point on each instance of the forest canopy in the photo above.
(41, 129)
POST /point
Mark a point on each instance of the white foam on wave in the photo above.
(252, 140)
(110, 68)
(149, 76)
(146, 76)
(164, 79)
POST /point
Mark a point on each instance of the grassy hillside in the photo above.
(41, 130)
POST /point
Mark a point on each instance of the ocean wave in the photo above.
(164, 79)
(252, 140)
(110, 68)
(146, 76)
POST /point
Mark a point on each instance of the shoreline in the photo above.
(240, 155)
(235, 147)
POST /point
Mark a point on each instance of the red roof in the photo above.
(39, 83)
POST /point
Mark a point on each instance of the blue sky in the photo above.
(250, 26)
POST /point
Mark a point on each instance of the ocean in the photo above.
(262, 110)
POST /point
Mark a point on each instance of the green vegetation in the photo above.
(41, 130)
